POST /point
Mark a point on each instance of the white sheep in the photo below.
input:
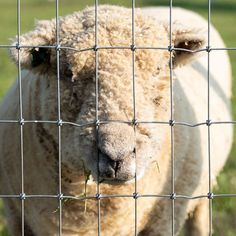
(117, 142)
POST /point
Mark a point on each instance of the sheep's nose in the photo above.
(120, 170)
(117, 141)
(116, 156)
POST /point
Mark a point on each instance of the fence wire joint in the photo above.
(210, 195)
(135, 122)
(135, 195)
(133, 47)
(58, 47)
(22, 122)
(173, 196)
(95, 48)
(170, 48)
(22, 196)
(208, 122)
(59, 122)
(171, 122)
(208, 48)
(18, 47)
(60, 196)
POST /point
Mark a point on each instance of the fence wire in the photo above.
(173, 196)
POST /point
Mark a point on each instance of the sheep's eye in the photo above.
(39, 56)
(65, 71)
(68, 72)
(75, 96)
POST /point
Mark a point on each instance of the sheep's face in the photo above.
(121, 146)
(114, 86)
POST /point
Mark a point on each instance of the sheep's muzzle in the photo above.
(116, 170)
(116, 152)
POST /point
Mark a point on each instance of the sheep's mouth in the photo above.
(115, 181)
(117, 175)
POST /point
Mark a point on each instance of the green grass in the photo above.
(223, 17)
(3, 230)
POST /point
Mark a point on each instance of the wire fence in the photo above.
(173, 196)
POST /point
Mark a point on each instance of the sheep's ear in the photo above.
(32, 56)
(187, 39)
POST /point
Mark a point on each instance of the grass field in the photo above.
(223, 17)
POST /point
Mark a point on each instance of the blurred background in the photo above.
(224, 19)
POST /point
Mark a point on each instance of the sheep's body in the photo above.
(190, 144)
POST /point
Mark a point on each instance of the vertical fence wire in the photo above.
(59, 124)
(210, 195)
(97, 123)
(171, 46)
(133, 48)
(21, 119)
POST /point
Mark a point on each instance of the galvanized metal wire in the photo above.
(172, 123)
(209, 115)
(97, 122)
(21, 119)
(59, 121)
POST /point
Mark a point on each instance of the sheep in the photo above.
(126, 149)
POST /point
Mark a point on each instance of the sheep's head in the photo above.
(122, 149)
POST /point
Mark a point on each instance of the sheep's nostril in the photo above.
(105, 157)
(108, 168)
(134, 150)
(117, 164)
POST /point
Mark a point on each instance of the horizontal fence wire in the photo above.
(100, 122)
(101, 196)
(118, 48)
(173, 196)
